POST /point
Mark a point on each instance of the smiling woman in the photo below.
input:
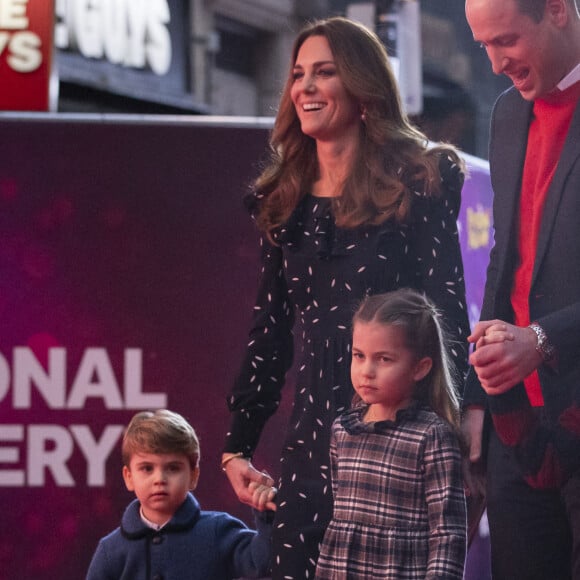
(351, 203)
(327, 112)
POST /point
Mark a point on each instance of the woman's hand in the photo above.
(241, 474)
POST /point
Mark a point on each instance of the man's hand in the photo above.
(505, 354)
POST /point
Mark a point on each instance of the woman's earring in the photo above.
(363, 115)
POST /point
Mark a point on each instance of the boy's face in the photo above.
(160, 482)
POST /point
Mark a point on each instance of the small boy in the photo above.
(164, 533)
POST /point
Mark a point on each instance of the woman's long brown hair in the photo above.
(392, 154)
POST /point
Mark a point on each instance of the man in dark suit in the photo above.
(524, 383)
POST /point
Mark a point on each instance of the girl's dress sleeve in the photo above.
(256, 393)
(439, 261)
(445, 498)
(333, 454)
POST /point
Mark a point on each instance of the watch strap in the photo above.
(543, 345)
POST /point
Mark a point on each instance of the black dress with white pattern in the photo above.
(318, 273)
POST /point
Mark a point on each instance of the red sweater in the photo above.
(544, 450)
(546, 137)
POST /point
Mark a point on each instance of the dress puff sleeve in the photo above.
(256, 393)
(435, 240)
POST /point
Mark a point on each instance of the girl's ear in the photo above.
(422, 368)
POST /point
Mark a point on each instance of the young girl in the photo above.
(399, 503)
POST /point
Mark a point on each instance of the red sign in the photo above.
(26, 47)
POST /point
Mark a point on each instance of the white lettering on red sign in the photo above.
(21, 47)
(13, 14)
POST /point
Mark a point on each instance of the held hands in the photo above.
(505, 354)
(262, 496)
(252, 487)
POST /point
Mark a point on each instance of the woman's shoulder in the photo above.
(446, 184)
(452, 170)
(252, 201)
(450, 165)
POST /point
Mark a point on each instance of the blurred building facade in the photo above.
(230, 57)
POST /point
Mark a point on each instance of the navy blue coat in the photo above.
(194, 545)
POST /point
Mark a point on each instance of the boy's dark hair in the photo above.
(160, 431)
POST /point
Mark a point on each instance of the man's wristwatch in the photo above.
(546, 349)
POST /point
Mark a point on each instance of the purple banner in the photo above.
(128, 268)
(476, 232)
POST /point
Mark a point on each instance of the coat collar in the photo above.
(508, 139)
(133, 527)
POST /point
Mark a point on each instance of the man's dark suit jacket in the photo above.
(555, 291)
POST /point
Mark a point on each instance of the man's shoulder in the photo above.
(508, 100)
(508, 132)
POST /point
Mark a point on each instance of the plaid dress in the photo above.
(399, 504)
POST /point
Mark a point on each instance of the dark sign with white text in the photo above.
(128, 272)
(134, 48)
